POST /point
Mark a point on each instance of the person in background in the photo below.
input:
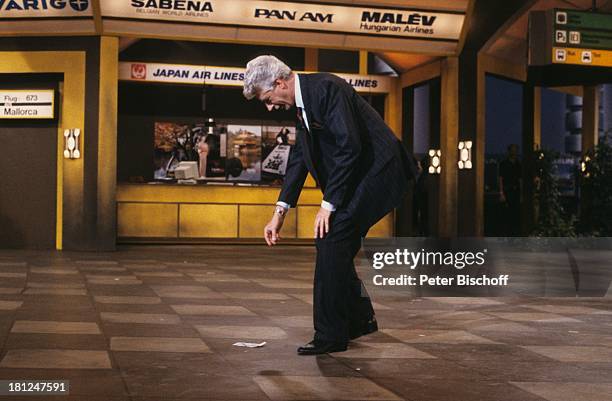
(282, 138)
(421, 218)
(510, 187)
(203, 156)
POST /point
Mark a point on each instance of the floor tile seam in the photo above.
(444, 357)
(513, 384)
(229, 363)
(563, 364)
(371, 379)
(3, 345)
(111, 356)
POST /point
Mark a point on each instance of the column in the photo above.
(590, 118)
(449, 135)
(106, 228)
(311, 59)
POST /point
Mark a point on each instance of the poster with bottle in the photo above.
(212, 151)
(277, 143)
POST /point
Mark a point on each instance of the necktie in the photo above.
(308, 139)
(300, 118)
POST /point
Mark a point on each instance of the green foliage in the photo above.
(596, 192)
(550, 216)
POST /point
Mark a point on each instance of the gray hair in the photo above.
(261, 72)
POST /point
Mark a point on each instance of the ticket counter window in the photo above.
(229, 139)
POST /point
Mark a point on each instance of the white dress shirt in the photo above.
(299, 102)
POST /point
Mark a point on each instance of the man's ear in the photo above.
(281, 82)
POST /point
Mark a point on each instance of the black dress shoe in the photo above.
(316, 347)
(368, 327)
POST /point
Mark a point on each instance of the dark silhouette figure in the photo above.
(421, 199)
(510, 184)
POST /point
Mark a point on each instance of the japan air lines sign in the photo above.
(296, 16)
(225, 76)
(45, 8)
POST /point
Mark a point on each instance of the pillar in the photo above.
(590, 136)
(590, 118)
(449, 135)
(607, 109)
(530, 142)
(106, 227)
(311, 59)
(363, 62)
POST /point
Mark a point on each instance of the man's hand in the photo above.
(272, 229)
(321, 226)
(502, 197)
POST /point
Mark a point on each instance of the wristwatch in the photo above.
(281, 211)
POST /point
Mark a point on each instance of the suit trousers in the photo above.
(341, 303)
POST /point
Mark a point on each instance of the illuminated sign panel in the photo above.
(300, 16)
(594, 57)
(570, 37)
(582, 38)
(198, 75)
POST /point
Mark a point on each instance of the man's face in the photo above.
(279, 97)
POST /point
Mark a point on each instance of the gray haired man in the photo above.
(363, 172)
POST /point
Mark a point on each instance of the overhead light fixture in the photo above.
(465, 155)
(435, 161)
(72, 143)
(210, 125)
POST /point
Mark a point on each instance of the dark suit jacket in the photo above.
(352, 154)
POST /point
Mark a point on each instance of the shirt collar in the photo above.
(299, 102)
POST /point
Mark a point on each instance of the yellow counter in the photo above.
(188, 213)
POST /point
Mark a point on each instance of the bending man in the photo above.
(363, 172)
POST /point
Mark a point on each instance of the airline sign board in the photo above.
(401, 23)
(225, 76)
(45, 9)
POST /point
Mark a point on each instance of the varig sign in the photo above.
(45, 8)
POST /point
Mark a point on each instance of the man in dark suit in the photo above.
(363, 172)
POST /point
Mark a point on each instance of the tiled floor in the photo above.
(158, 323)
